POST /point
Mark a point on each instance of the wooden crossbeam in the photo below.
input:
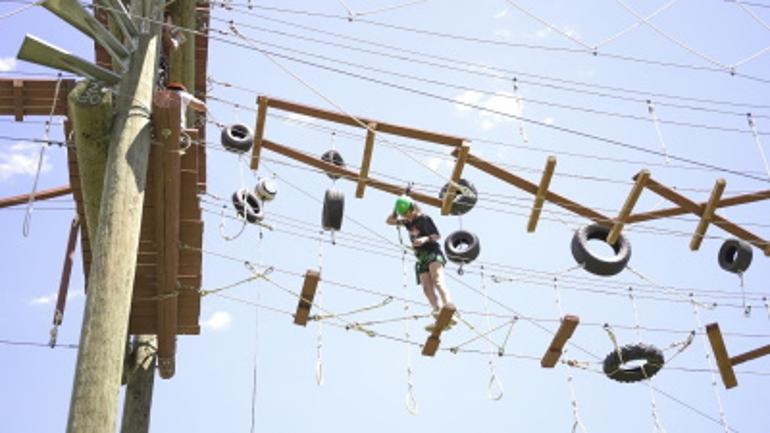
(39, 196)
(542, 189)
(707, 215)
(564, 333)
(388, 128)
(531, 188)
(724, 362)
(316, 162)
(451, 192)
(442, 321)
(21, 97)
(306, 297)
(628, 206)
(677, 211)
(259, 131)
(366, 161)
(18, 100)
(717, 220)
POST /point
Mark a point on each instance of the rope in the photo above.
(656, 122)
(761, 149)
(409, 399)
(635, 25)
(520, 107)
(319, 369)
(495, 386)
(21, 9)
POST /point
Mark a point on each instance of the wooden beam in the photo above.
(39, 196)
(531, 188)
(64, 283)
(345, 119)
(259, 131)
(707, 215)
(442, 321)
(345, 173)
(564, 333)
(752, 354)
(306, 297)
(451, 191)
(676, 211)
(366, 161)
(628, 206)
(18, 100)
(542, 189)
(720, 354)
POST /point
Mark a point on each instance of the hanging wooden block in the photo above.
(564, 333)
(306, 297)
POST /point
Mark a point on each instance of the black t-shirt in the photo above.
(421, 226)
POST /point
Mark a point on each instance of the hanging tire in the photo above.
(595, 264)
(237, 138)
(462, 203)
(333, 157)
(735, 256)
(266, 189)
(613, 363)
(248, 206)
(334, 206)
(462, 247)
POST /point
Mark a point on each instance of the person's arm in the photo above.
(392, 219)
(197, 105)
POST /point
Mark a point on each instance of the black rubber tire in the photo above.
(600, 265)
(334, 207)
(462, 204)
(248, 206)
(333, 157)
(613, 367)
(237, 138)
(462, 247)
(735, 256)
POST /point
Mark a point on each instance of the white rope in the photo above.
(655, 121)
(222, 219)
(635, 25)
(550, 26)
(21, 9)
(319, 367)
(520, 107)
(495, 387)
(409, 398)
(761, 148)
(761, 22)
(710, 365)
(390, 8)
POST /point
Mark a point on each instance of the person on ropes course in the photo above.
(424, 235)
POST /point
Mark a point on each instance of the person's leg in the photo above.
(436, 270)
(427, 288)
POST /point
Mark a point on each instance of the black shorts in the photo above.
(424, 260)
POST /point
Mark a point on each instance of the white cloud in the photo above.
(294, 118)
(467, 97)
(543, 33)
(548, 120)
(501, 107)
(501, 14)
(51, 298)
(7, 64)
(21, 160)
(218, 321)
(436, 163)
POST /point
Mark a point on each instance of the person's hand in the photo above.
(418, 242)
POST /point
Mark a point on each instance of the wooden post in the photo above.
(64, 283)
(141, 381)
(93, 407)
(442, 321)
(90, 109)
(367, 160)
(451, 191)
(721, 356)
(564, 333)
(306, 297)
(708, 214)
(628, 206)
(542, 189)
(18, 100)
(259, 131)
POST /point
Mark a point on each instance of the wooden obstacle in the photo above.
(442, 321)
(564, 333)
(725, 363)
(306, 297)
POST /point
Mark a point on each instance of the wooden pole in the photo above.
(628, 206)
(542, 189)
(90, 109)
(708, 214)
(93, 407)
(141, 380)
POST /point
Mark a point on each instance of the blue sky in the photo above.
(432, 65)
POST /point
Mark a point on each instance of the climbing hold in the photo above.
(462, 247)
(266, 189)
(237, 138)
(248, 205)
(600, 265)
(462, 203)
(334, 205)
(613, 363)
(735, 256)
(333, 157)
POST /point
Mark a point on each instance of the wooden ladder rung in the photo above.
(442, 321)
(564, 333)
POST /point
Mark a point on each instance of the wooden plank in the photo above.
(707, 215)
(564, 333)
(259, 131)
(531, 188)
(442, 321)
(345, 173)
(542, 189)
(720, 354)
(345, 119)
(752, 354)
(366, 161)
(449, 196)
(717, 220)
(18, 100)
(628, 206)
(39, 196)
(306, 297)
(677, 211)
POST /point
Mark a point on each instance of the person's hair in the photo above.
(415, 207)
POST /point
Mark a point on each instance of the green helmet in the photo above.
(403, 204)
